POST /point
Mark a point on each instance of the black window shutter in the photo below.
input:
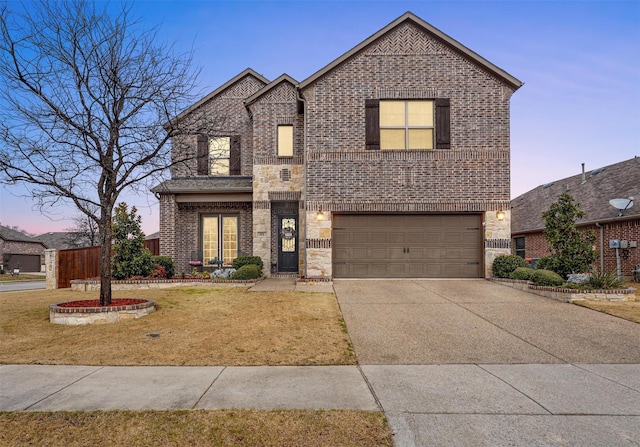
(203, 155)
(443, 124)
(372, 124)
(235, 163)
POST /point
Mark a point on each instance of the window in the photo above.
(520, 251)
(220, 238)
(412, 124)
(406, 125)
(285, 141)
(219, 155)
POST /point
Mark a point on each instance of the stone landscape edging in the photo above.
(74, 316)
(568, 295)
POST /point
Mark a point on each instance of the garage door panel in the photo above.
(359, 237)
(420, 246)
(395, 237)
(342, 254)
(393, 253)
(379, 237)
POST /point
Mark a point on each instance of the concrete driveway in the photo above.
(425, 322)
(475, 363)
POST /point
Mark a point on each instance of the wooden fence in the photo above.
(84, 263)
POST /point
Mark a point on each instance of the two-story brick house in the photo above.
(391, 161)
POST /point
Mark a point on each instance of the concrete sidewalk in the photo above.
(426, 404)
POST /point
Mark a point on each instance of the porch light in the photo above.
(320, 215)
(500, 215)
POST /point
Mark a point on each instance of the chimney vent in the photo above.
(584, 177)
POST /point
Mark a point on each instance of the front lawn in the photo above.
(205, 327)
(194, 327)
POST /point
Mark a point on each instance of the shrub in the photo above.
(546, 263)
(579, 278)
(158, 271)
(130, 257)
(248, 271)
(522, 273)
(504, 265)
(166, 262)
(241, 261)
(605, 280)
(572, 249)
(542, 277)
(223, 273)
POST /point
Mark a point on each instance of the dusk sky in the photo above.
(579, 61)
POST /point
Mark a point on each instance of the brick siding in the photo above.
(475, 169)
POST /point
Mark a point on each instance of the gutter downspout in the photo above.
(304, 171)
(601, 246)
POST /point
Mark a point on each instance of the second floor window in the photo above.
(406, 124)
(219, 154)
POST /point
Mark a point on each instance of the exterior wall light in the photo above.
(500, 215)
(320, 215)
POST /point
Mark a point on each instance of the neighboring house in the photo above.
(62, 240)
(391, 161)
(20, 251)
(592, 190)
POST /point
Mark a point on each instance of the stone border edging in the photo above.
(567, 295)
(75, 316)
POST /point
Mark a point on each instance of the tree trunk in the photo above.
(105, 263)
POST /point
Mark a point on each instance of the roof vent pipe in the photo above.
(584, 177)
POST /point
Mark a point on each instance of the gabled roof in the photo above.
(267, 88)
(430, 29)
(593, 192)
(222, 88)
(8, 234)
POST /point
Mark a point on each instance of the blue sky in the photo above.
(579, 60)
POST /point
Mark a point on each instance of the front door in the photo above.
(287, 243)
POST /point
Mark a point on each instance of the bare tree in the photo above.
(87, 99)
(85, 232)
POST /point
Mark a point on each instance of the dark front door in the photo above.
(287, 243)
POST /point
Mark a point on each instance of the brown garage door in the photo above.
(26, 263)
(407, 246)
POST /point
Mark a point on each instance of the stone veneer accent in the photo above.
(497, 237)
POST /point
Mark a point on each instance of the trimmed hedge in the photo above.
(248, 271)
(522, 273)
(241, 261)
(542, 277)
(504, 265)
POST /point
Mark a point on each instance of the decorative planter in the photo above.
(90, 312)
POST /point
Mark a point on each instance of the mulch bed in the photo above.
(96, 303)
